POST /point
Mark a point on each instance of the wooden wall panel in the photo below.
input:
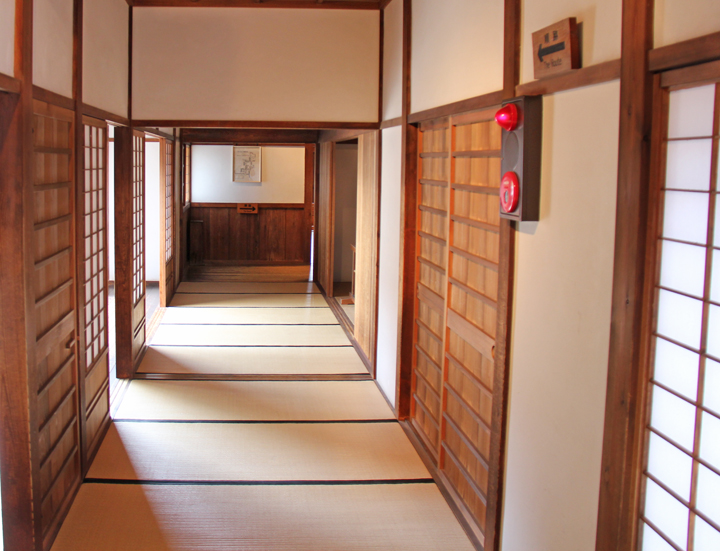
(278, 234)
(455, 384)
(129, 248)
(56, 368)
(93, 297)
(366, 263)
(167, 214)
(325, 217)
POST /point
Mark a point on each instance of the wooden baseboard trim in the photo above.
(453, 500)
(52, 98)
(689, 52)
(595, 74)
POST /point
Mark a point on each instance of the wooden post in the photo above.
(617, 515)
(124, 251)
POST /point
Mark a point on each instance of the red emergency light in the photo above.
(507, 117)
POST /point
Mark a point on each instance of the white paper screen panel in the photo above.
(681, 510)
(256, 64)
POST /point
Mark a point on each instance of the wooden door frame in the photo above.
(124, 304)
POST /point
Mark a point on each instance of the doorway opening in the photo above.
(345, 230)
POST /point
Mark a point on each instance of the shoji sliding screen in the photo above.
(681, 478)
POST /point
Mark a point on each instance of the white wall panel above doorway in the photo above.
(256, 64)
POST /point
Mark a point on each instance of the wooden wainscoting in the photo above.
(278, 234)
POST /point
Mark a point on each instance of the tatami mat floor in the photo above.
(255, 426)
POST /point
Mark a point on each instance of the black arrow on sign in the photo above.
(560, 46)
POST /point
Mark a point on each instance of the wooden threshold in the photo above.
(294, 4)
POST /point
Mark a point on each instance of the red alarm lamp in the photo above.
(521, 123)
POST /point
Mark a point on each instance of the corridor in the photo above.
(253, 425)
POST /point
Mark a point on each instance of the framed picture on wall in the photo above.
(247, 164)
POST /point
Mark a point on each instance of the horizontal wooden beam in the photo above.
(391, 122)
(594, 74)
(91, 111)
(470, 104)
(306, 125)
(294, 4)
(694, 75)
(9, 84)
(343, 134)
(156, 132)
(248, 136)
(689, 52)
(52, 98)
(233, 206)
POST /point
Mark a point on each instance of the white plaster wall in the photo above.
(601, 28)
(457, 50)
(561, 329)
(389, 260)
(256, 64)
(152, 211)
(7, 37)
(283, 176)
(105, 55)
(346, 178)
(392, 60)
(53, 45)
(678, 20)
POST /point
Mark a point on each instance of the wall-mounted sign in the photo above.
(247, 164)
(247, 208)
(556, 49)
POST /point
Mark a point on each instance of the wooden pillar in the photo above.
(124, 306)
(17, 447)
(408, 224)
(617, 516)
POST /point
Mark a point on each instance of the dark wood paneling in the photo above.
(53, 292)
(247, 136)
(17, 380)
(618, 508)
(689, 52)
(276, 234)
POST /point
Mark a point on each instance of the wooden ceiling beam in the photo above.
(293, 4)
(247, 136)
